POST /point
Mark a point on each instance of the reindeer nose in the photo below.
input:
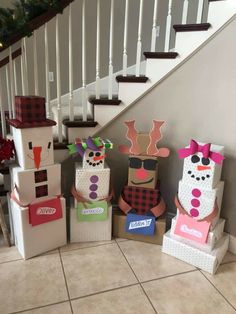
(141, 174)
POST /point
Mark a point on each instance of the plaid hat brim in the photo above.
(24, 125)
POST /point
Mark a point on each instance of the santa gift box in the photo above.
(40, 227)
(207, 261)
(34, 148)
(141, 199)
(43, 183)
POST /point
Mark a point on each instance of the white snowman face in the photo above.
(94, 159)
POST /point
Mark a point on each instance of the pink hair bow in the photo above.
(204, 149)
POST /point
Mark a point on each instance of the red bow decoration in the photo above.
(204, 149)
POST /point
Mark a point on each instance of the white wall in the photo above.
(197, 101)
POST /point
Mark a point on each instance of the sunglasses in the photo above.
(148, 164)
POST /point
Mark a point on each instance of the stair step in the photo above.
(214, 0)
(160, 55)
(3, 192)
(131, 79)
(105, 101)
(58, 146)
(191, 27)
(79, 123)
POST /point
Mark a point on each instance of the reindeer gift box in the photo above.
(37, 208)
(196, 234)
(141, 200)
(91, 214)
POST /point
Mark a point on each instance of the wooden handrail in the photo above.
(35, 23)
(15, 54)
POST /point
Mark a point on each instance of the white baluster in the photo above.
(111, 50)
(58, 67)
(84, 92)
(200, 11)
(154, 27)
(125, 56)
(98, 52)
(71, 91)
(3, 121)
(15, 77)
(36, 79)
(48, 94)
(12, 87)
(8, 93)
(25, 66)
(185, 12)
(139, 42)
(168, 27)
(22, 68)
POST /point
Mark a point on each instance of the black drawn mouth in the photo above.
(197, 178)
(139, 183)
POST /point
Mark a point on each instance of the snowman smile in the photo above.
(198, 177)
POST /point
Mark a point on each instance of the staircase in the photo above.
(88, 109)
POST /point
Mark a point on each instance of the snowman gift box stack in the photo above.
(37, 208)
(196, 234)
(91, 215)
(142, 207)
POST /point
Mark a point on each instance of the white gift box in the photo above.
(213, 237)
(207, 261)
(34, 240)
(206, 179)
(26, 139)
(85, 231)
(199, 198)
(92, 184)
(30, 181)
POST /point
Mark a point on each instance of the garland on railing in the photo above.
(6, 149)
(15, 20)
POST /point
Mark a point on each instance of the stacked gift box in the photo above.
(91, 213)
(141, 216)
(37, 208)
(196, 234)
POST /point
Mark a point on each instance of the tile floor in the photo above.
(119, 276)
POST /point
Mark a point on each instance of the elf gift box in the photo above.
(36, 184)
(141, 198)
(91, 222)
(39, 228)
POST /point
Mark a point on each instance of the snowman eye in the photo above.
(91, 154)
(98, 154)
(205, 161)
(195, 159)
(30, 145)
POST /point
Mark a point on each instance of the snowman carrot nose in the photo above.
(95, 158)
(37, 156)
(200, 168)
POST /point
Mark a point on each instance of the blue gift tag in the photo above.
(139, 224)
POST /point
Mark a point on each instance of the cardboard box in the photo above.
(213, 237)
(201, 199)
(28, 140)
(119, 220)
(92, 184)
(85, 231)
(142, 171)
(36, 184)
(34, 240)
(207, 261)
(206, 179)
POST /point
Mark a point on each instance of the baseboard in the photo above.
(232, 244)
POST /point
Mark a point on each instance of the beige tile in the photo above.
(148, 262)
(32, 283)
(229, 257)
(186, 293)
(225, 281)
(96, 269)
(121, 239)
(82, 245)
(61, 308)
(130, 300)
(8, 254)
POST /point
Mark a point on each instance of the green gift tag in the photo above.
(95, 211)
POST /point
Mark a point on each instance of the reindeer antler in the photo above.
(132, 136)
(155, 136)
